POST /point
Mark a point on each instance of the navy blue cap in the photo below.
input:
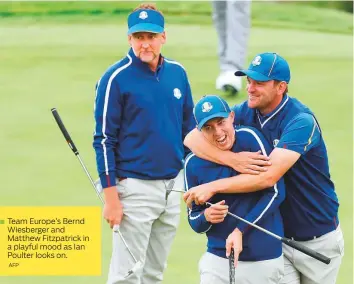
(145, 20)
(267, 66)
(209, 107)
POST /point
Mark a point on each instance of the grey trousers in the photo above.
(215, 270)
(232, 20)
(300, 268)
(149, 226)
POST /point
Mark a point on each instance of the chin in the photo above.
(146, 59)
(252, 104)
(225, 147)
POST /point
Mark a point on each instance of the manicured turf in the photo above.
(45, 65)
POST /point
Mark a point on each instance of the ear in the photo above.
(163, 37)
(232, 116)
(130, 40)
(282, 87)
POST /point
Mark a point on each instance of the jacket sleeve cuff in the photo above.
(242, 227)
(108, 180)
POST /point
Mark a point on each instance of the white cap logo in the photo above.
(143, 15)
(257, 60)
(206, 107)
(177, 93)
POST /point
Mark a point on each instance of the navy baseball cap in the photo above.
(145, 20)
(209, 107)
(267, 66)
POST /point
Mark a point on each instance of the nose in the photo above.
(145, 44)
(218, 131)
(250, 87)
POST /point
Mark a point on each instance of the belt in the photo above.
(122, 178)
(304, 239)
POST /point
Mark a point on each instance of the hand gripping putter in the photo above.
(138, 264)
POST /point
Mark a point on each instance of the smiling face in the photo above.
(147, 46)
(220, 132)
(265, 96)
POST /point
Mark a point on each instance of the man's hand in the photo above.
(216, 213)
(113, 209)
(199, 194)
(249, 162)
(234, 240)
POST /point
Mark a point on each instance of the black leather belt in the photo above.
(304, 239)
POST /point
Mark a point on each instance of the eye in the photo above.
(221, 122)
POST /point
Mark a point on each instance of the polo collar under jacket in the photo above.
(263, 119)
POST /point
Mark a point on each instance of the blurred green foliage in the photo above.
(346, 6)
(289, 15)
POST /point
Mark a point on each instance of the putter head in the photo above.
(169, 187)
(98, 185)
(137, 266)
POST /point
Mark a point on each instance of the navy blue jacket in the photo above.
(311, 204)
(261, 207)
(141, 118)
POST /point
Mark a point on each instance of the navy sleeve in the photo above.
(271, 197)
(188, 117)
(108, 110)
(300, 134)
(196, 217)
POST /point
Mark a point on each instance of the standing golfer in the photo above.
(143, 110)
(310, 209)
(232, 20)
(260, 255)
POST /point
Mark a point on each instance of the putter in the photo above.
(178, 190)
(232, 266)
(138, 264)
(289, 242)
(169, 188)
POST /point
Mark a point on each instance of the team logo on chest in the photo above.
(206, 107)
(143, 15)
(275, 142)
(177, 93)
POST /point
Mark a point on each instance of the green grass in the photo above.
(54, 63)
(292, 15)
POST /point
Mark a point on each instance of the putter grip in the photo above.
(64, 131)
(306, 250)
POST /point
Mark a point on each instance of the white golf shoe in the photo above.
(228, 82)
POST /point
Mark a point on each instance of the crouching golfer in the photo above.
(258, 257)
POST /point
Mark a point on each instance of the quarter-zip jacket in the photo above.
(141, 119)
(311, 205)
(261, 207)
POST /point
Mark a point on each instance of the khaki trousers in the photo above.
(149, 226)
(215, 270)
(301, 268)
